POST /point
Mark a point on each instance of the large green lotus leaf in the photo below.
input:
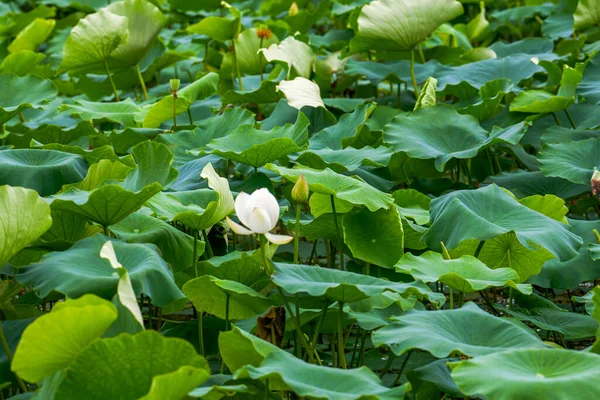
(24, 217)
(337, 136)
(93, 156)
(100, 172)
(245, 268)
(197, 209)
(375, 237)
(67, 228)
(343, 286)
(121, 112)
(587, 88)
(284, 370)
(46, 171)
(412, 204)
(255, 147)
(210, 294)
(154, 166)
(528, 183)
(391, 25)
(92, 41)
(441, 133)
(144, 22)
(298, 56)
(32, 37)
(572, 160)
(442, 332)
(558, 134)
(81, 270)
(23, 63)
(198, 90)
(490, 212)
(218, 28)
(247, 46)
(569, 274)
(321, 204)
(525, 374)
(239, 348)
(175, 246)
(544, 314)
(106, 205)
(54, 340)
(265, 93)
(134, 367)
(466, 274)
(587, 14)
(46, 134)
(20, 93)
(347, 159)
(322, 227)
(347, 188)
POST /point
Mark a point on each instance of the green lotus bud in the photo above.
(175, 83)
(300, 190)
(294, 10)
(595, 183)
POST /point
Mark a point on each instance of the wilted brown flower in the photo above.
(271, 326)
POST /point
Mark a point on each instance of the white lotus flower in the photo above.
(259, 213)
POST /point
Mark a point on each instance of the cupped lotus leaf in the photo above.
(574, 161)
(80, 270)
(375, 237)
(587, 14)
(197, 209)
(247, 45)
(490, 212)
(32, 37)
(245, 268)
(398, 26)
(154, 165)
(441, 133)
(255, 147)
(144, 22)
(343, 286)
(527, 183)
(337, 136)
(239, 348)
(198, 90)
(121, 112)
(106, 205)
(466, 274)
(442, 332)
(54, 340)
(67, 228)
(92, 156)
(301, 92)
(523, 374)
(284, 370)
(352, 190)
(296, 54)
(218, 28)
(100, 172)
(134, 367)
(412, 204)
(92, 41)
(214, 296)
(20, 93)
(265, 93)
(46, 171)
(347, 159)
(24, 217)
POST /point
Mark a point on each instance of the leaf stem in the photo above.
(141, 79)
(339, 237)
(341, 352)
(313, 345)
(570, 119)
(412, 73)
(236, 67)
(9, 356)
(200, 321)
(299, 333)
(207, 244)
(479, 248)
(112, 83)
(174, 112)
(402, 368)
(297, 235)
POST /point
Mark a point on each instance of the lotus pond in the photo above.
(310, 199)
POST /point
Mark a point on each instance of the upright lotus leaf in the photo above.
(219, 28)
(347, 159)
(353, 190)
(442, 332)
(145, 20)
(223, 298)
(321, 204)
(301, 92)
(32, 37)
(427, 97)
(81, 270)
(343, 286)
(401, 25)
(298, 56)
(67, 228)
(375, 237)
(412, 204)
(133, 367)
(100, 172)
(20, 93)
(490, 212)
(246, 268)
(239, 348)
(248, 58)
(524, 374)
(441, 133)
(55, 339)
(255, 147)
(92, 41)
(24, 217)
(121, 112)
(23, 63)
(572, 160)
(46, 171)
(198, 90)
(338, 136)
(154, 165)
(175, 246)
(587, 14)
(466, 274)
(197, 209)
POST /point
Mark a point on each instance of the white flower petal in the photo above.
(263, 199)
(243, 207)
(237, 228)
(259, 221)
(278, 239)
